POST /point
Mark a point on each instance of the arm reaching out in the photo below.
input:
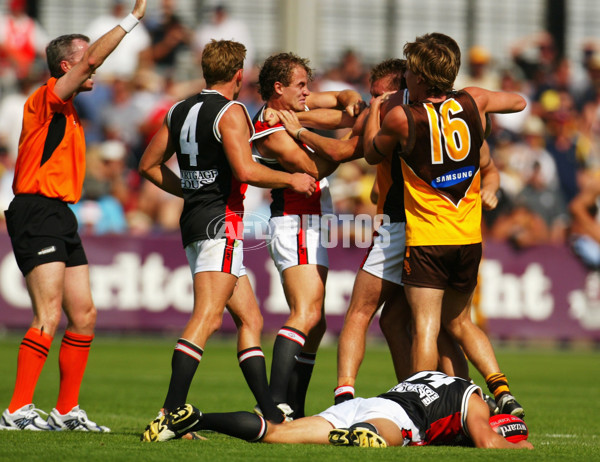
(235, 134)
(331, 149)
(77, 73)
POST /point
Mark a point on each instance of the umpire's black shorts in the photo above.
(43, 230)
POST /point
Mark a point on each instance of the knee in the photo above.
(253, 323)
(212, 323)
(84, 318)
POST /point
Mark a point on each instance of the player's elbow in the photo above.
(243, 175)
(372, 159)
(520, 104)
(93, 63)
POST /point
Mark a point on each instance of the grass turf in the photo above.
(127, 378)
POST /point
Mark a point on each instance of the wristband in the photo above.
(298, 133)
(129, 22)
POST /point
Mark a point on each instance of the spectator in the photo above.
(170, 37)
(22, 41)
(223, 27)
(562, 123)
(133, 50)
(480, 72)
(585, 225)
(100, 211)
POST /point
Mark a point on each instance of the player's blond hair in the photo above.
(221, 59)
(434, 57)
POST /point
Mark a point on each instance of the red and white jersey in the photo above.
(284, 200)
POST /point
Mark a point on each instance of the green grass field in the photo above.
(127, 378)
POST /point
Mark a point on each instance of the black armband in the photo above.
(377, 150)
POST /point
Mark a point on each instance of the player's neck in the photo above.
(226, 89)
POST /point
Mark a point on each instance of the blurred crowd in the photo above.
(547, 155)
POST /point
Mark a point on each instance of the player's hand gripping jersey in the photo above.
(285, 200)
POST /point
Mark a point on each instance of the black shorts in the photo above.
(43, 230)
(442, 266)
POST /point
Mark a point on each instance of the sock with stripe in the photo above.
(33, 353)
(343, 393)
(252, 363)
(298, 386)
(243, 425)
(288, 344)
(72, 360)
(497, 384)
(184, 363)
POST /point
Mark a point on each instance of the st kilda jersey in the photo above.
(437, 406)
(440, 164)
(213, 199)
(285, 201)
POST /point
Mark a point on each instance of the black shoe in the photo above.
(507, 404)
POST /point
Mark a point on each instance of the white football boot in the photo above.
(75, 419)
(25, 418)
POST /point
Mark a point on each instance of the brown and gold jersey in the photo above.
(441, 172)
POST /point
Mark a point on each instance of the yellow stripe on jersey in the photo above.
(433, 219)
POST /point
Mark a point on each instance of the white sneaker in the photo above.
(75, 419)
(286, 410)
(25, 418)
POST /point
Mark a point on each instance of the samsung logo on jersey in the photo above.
(452, 178)
(195, 179)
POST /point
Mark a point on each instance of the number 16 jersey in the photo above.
(440, 164)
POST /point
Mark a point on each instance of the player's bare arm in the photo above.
(583, 222)
(481, 432)
(281, 146)
(501, 102)
(323, 119)
(77, 72)
(380, 142)
(490, 178)
(153, 163)
(349, 100)
(331, 149)
(235, 134)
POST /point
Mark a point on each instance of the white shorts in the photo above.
(385, 257)
(356, 410)
(296, 240)
(224, 255)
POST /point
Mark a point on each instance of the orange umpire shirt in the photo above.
(51, 160)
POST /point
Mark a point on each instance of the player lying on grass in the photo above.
(427, 408)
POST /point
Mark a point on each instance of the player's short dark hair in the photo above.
(436, 58)
(393, 67)
(62, 49)
(221, 59)
(279, 68)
